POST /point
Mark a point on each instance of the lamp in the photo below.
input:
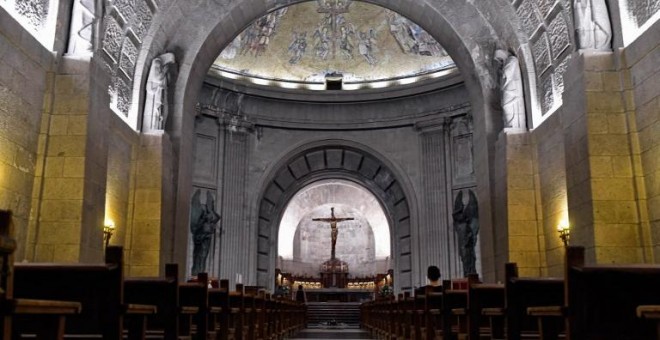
(564, 230)
(108, 230)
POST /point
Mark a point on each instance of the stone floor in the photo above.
(343, 334)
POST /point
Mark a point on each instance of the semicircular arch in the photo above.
(335, 160)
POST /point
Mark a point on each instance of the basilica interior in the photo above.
(343, 146)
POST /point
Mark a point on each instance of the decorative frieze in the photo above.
(546, 6)
(35, 12)
(529, 17)
(129, 54)
(546, 93)
(541, 53)
(112, 38)
(559, 36)
(640, 11)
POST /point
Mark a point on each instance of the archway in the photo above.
(335, 160)
(197, 33)
(364, 242)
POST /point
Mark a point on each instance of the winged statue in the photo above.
(466, 227)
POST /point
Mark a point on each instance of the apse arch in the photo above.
(336, 160)
(197, 32)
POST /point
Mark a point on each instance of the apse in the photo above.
(314, 45)
(363, 242)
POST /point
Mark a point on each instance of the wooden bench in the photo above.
(98, 288)
(532, 304)
(484, 313)
(602, 300)
(162, 292)
(50, 314)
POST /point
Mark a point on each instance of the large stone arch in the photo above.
(458, 25)
(196, 31)
(333, 159)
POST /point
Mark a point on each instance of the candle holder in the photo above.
(564, 231)
(108, 230)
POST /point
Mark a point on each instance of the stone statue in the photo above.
(333, 227)
(511, 86)
(592, 24)
(203, 220)
(81, 32)
(155, 104)
(466, 227)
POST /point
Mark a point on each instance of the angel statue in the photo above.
(203, 220)
(466, 226)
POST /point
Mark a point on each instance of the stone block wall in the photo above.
(59, 213)
(551, 183)
(518, 197)
(24, 78)
(641, 85)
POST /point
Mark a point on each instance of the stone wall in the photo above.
(551, 188)
(24, 78)
(641, 85)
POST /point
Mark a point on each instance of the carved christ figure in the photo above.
(333, 227)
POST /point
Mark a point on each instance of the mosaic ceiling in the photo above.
(309, 41)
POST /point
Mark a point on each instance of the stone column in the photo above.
(601, 190)
(434, 233)
(151, 226)
(236, 239)
(517, 200)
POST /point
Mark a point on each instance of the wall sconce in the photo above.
(564, 230)
(108, 230)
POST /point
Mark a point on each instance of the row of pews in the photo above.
(54, 301)
(602, 302)
(110, 306)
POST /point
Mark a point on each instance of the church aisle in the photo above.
(343, 334)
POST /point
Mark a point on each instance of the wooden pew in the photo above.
(601, 300)
(98, 288)
(164, 294)
(49, 313)
(532, 304)
(196, 294)
(219, 300)
(652, 313)
(485, 311)
(452, 300)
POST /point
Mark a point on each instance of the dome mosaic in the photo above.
(312, 43)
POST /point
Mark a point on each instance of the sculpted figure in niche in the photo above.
(592, 23)
(83, 17)
(203, 220)
(466, 227)
(511, 86)
(156, 105)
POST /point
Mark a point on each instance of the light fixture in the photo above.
(564, 232)
(108, 230)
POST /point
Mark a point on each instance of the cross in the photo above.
(333, 227)
(334, 8)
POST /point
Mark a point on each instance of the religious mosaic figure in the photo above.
(592, 23)
(298, 47)
(333, 227)
(366, 46)
(466, 227)
(511, 87)
(155, 104)
(203, 220)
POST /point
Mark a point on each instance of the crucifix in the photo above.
(333, 227)
(332, 9)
